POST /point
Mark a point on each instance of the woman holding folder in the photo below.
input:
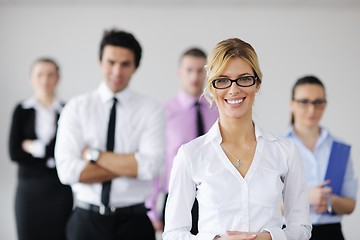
(331, 181)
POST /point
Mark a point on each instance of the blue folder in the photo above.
(338, 160)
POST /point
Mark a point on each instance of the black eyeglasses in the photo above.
(317, 103)
(243, 81)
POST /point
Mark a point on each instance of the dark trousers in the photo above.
(194, 216)
(88, 225)
(326, 232)
(42, 208)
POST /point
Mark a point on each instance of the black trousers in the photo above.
(42, 208)
(326, 232)
(88, 225)
(194, 216)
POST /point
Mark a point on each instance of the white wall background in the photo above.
(291, 41)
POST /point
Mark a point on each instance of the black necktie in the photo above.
(105, 193)
(195, 209)
(200, 125)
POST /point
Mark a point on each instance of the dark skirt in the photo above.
(42, 208)
(327, 231)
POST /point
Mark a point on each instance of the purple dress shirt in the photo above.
(181, 127)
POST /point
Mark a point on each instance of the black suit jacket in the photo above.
(23, 127)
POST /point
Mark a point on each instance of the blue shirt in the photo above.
(315, 166)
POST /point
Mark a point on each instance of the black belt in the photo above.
(102, 210)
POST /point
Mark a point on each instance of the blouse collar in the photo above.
(323, 135)
(214, 134)
(32, 102)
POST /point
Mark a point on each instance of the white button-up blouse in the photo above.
(228, 201)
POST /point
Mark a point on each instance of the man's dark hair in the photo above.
(122, 39)
(194, 52)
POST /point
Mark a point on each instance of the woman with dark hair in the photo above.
(42, 203)
(332, 185)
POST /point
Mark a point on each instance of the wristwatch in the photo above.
(93, 155)
(329, 207)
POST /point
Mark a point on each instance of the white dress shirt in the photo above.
(228, 201)
(316, 162)
(139, 129)
(45, 126)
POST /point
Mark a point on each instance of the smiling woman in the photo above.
(235, 100)
(239, 173)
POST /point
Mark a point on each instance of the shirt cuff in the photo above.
(206, 236)
(37, 149)
(50, 163)
(153, 215)
(275, 232)
(200, 236)
(148, 167)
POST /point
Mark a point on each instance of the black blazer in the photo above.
(23, 127)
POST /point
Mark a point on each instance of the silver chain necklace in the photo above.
(238, 163)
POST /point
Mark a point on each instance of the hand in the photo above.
(84, 153)
(318, 197)
(252, 235)
(158, 225)
(26, 145)
(236, 235)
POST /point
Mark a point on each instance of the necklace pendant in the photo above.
(237, 164)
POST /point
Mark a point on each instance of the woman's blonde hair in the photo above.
(220, 56)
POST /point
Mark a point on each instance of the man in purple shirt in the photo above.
(188, 115)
